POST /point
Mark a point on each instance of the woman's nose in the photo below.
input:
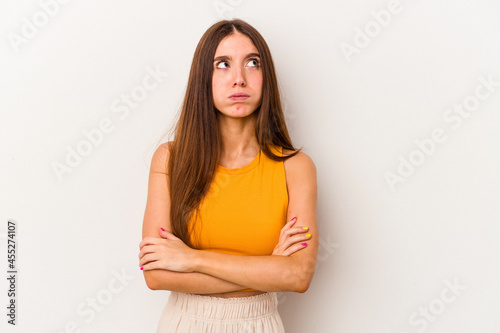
(239, 77)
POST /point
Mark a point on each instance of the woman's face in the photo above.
(237, 70)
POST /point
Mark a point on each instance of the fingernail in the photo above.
(305, 228)
(303, 244)
(308, 235)
(141, 267)
(293, 219)
(162, 229)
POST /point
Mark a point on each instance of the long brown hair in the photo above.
(195, 150)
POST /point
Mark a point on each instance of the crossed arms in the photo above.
(210, 272)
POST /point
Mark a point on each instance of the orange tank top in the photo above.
(244, 210)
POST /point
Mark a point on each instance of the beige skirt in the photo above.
(191, 313)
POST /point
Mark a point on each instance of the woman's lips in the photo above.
(238, 98)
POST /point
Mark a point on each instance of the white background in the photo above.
(386, 253)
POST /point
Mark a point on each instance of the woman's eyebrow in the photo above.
(224, 57)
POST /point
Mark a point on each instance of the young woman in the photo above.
(230, 217)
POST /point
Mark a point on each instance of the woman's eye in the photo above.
(221, 62)
(255, 61)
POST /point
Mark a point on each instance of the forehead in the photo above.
(235, 43)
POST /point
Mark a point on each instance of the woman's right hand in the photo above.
(292, 239)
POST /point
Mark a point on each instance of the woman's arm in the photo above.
(266, 273)
(195, 283)
(276, 273)
(157, 214)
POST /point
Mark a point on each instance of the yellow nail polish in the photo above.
(305, 228)
(308, 235)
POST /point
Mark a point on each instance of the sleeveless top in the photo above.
(244, 210)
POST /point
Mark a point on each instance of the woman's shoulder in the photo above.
(160, 157)
(164, 148)
(298, 163)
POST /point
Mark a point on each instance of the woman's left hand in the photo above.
(169, 253)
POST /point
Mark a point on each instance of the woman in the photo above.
(230, 217)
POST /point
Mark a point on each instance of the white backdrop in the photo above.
(395, 101)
